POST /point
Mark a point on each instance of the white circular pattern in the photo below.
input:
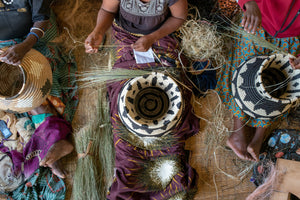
(150, 105)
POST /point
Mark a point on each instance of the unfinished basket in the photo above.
(26, 86)
(265, 87)
(150, 105)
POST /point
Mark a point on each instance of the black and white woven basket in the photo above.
(265, 87)
(150, 105)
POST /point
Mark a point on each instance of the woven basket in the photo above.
(150, 105)
(26, 86)
(265, 87)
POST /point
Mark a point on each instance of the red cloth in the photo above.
(273, 14)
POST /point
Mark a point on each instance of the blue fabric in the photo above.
(204, 81)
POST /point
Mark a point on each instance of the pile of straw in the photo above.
(94, 145)
(201, 41)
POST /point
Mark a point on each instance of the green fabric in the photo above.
(37, 119)
(41, 185)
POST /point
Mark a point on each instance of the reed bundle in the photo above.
(259, 41)
(94, 145)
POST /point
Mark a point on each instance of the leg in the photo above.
(58, 170)
(254, 146)
(58, 150)
(240, 138)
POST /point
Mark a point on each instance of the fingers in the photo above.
(295, 62)
(140, 47)
(93, 42)
(250, 23)
(90, 49)
(10, 59)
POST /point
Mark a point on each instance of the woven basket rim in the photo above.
(23, 85)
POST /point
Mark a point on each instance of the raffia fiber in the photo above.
(94, 145)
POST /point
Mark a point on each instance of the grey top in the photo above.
(138, 17)
(18, 16)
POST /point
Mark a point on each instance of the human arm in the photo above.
(39, 10)
(14, 54)
(179, 12)
(105, 18)
(295, 62)
(252, 15)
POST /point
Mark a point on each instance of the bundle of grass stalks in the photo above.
(201, 41)
(97, 76)
(259, 41)
(94, 145)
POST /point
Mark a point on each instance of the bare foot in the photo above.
(58, 170)
(255, 145)
(56, 152)
(240, 138)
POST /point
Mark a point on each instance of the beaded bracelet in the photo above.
(33, 33)
(39, 29)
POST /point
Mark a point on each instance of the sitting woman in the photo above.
(34, 26)
(148, 20)
(280, 23)
(140, 25)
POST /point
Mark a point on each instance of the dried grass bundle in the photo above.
(97, 76)
(257, 40)
(200, 40)
(94, 145)
(148, 143)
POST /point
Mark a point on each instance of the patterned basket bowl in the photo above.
(265, 87)
(150, 105)
(26, 86)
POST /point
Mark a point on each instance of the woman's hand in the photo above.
(143, 43)
(252, 17)
(295, 62)
(93, 42)
(13, 55)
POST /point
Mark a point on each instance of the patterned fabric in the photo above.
(165, 49)
(136, 7)
(282, 143)
(229, 8)
(244, 49)
(43, 184)
(48, 133)
(143, 17)
(139, 172)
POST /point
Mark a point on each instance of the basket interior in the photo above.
(12, 79)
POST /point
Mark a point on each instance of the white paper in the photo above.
(143, 57)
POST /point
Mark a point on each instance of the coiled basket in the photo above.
(26, 86)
